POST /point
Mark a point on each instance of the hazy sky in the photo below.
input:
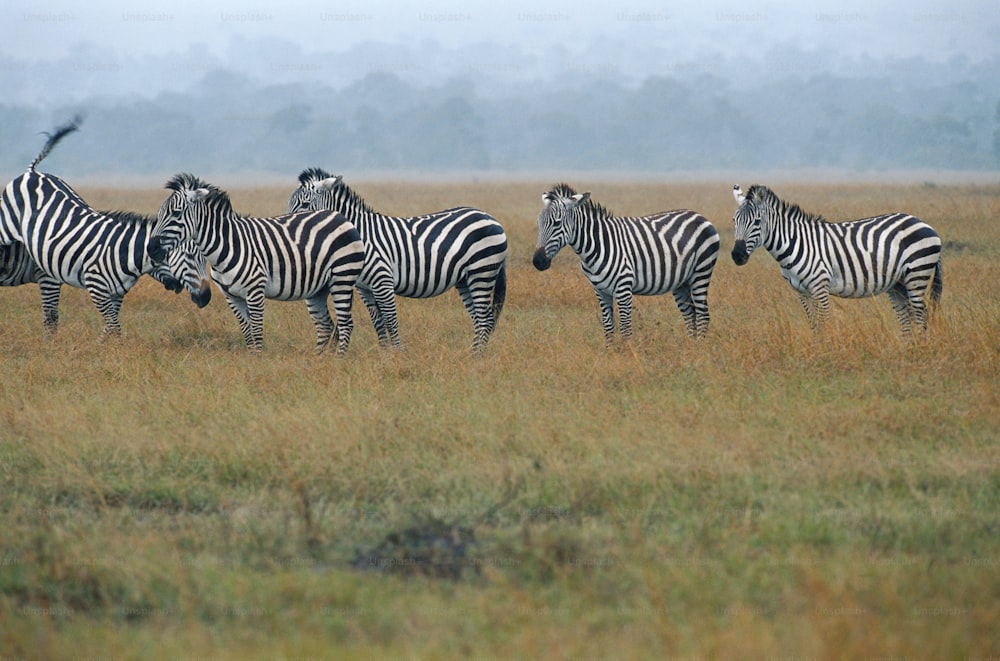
(46, 29)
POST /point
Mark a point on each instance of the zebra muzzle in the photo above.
(202, 295)
(740, 254)
(155, 249)
(541, 260)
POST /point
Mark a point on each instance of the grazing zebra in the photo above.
(45, 222)
(310, 256)
(895, 253)
(185, 268)
(418, 257)
(671, 251)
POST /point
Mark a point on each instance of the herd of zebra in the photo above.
(331, 242)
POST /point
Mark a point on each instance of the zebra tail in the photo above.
(938, 283)
(55, 137)
(499, 292)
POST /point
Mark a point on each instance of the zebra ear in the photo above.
(547, 198)
(738, 194)
(330, 182)
(196, 195)
(580, 198)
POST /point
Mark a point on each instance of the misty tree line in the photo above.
(229, 123)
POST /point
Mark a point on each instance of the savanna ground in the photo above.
(763, 493)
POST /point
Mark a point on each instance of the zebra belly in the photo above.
(797, 283)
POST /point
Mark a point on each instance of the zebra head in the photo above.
(315, 191)
(180, 215)
(187, 264)
(747, 223)
(559, 204)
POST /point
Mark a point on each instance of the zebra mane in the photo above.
(129, 216)
(184, 181)
(342, 191)
(310, 175)
(352, 198)
(565, 190)
(54, 138)
(764, 195)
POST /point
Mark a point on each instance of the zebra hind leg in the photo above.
(905, 309)
(343, 297)
(320, 314)
(476, 300)
(682, 296)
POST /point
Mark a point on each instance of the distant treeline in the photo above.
(229, 123)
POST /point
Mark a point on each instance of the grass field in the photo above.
(764, 493)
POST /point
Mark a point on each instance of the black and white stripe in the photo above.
(671, 251)
(53, 237)
(304, 256)
(18, 268)
(895, 253)
(418, 257)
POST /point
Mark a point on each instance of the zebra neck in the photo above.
(583, 233)
(215, 233)
(354, 208)
(781, 236)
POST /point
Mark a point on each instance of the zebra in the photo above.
(895, 253)
(310, 256)
(185, 268)
(418, 257)
(670, 251)
(45, 222)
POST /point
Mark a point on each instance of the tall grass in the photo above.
(766, 492)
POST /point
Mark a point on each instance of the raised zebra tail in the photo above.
(499, 292)
(55, 137)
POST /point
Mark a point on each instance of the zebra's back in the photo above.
(294, 254)
(663, 250)
(869, 256)
(68, 240)
(429, 254)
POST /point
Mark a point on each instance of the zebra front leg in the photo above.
(624, 300)
(255, 313)
(109, 306)
(378, 321)
(817, 307)
(607, 303)
(50, 290)
(385, 299)
(242, 311)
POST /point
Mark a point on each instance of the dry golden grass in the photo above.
(762, 493)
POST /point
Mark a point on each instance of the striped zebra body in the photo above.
(894, 253)
(418, 257)
(672, 251)
(303, 256)
(70, 243)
